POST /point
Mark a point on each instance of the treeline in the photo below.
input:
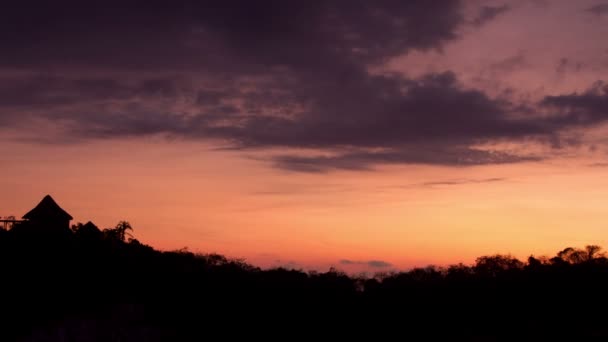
(86, 284)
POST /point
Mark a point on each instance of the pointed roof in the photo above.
(47, 209)
(90, 226)
(89, 230)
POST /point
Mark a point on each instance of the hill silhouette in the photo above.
(87, 284)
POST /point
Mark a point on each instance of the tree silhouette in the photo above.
(119, 233)
(576, 255)
(496, 264)
(174, 291)
(593, 252)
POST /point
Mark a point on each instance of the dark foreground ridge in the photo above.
(85, 284)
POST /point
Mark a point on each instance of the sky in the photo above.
(364, 135)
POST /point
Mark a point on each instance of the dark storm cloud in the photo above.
(221, 42)
(488, 13)
(214, 33)
(580, 109)
(260, 74)
(379, 111)
(49, 91)
(599, 9)
(430, 120)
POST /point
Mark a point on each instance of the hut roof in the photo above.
(47, 209)
(89, 230)
(90, 226)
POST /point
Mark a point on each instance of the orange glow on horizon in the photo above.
(405, 216)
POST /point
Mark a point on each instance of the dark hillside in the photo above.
(91, 285)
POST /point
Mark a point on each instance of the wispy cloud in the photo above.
(370, 263)
(462, 181)
(450, 182)
(599, 9)
(488, 13)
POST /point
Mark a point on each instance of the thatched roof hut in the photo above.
(49, 213)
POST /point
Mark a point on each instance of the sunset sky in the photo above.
(365, 135)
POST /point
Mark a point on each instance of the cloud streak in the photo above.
(599, 9)
(463, 181)
(488, 13)
(370, 263)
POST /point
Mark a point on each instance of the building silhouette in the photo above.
(48, 214)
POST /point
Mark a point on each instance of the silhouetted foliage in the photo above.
(118, 233)
(93, 285)
(87, 232)
(495, 265)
